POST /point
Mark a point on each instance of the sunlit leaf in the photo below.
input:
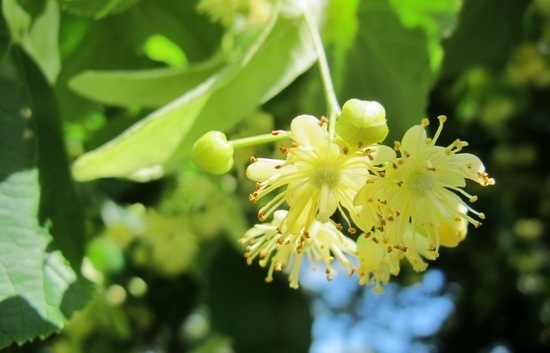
(117, 43)
(158, 144)
(160, 48)
(39, 228)
(437, 18)
(147, 88)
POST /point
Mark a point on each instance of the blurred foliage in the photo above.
(147, 77)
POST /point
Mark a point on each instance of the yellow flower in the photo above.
(379, 259)
(377, 262)
(423, 187)
(318, 176)
(282, 250)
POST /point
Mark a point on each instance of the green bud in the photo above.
(213, 153)
(362, 123)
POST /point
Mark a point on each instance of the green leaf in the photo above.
(437, 18)
(38, 36)
(96, 8)
(159, 48)
(146, 88)
(39, 288)
(158, 144)
(118, 43)
(389, 64)
(339, 31)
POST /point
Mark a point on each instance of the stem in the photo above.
(259, 139)
(333, 107)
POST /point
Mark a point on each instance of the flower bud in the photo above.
(213, 153)
(362, 123)
(452, 232)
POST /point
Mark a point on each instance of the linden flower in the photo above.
(379, 260)
(376, 263)
(423, 186)
(318, 176)
(281, 250)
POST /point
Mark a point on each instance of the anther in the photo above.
(396, 145)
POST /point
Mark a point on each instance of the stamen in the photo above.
(323, 203)
(396, 145)
(442, 120)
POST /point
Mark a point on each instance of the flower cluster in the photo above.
(394, 204)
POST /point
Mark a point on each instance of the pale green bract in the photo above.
(158, 144)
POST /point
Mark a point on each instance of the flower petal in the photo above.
(382, 154)
(414, 140)
(308, 132)
(263, 168)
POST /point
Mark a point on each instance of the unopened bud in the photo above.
(362, 123)
(213, 153)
